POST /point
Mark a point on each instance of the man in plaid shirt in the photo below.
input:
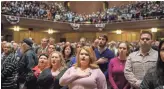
(139, 62)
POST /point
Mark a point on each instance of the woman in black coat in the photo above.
(49, 78)
(154, 79)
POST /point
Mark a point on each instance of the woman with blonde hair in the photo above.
(49, 78)
(85, 74)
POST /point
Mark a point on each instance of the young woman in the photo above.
(49, 78)
(68, 52)
(116, 68)
(154, 79)
(86, 73)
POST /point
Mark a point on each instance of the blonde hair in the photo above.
(62, 61)
(92, 56)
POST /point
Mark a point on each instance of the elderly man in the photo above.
(26, 63)
(140, 61)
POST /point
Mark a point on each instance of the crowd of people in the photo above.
(83, 65)
(55, 11)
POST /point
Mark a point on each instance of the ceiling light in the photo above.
(50, 31)
(153, 29)
(118, 32)
(16, 28)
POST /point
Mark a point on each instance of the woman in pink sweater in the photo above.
(116, 68)
(86, 73)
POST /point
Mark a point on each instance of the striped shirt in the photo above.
(9, 72)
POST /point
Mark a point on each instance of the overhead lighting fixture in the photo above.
(50, 31)
(153, 29)
(118, 32)
(16, 28)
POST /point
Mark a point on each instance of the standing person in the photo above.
(140, 61)
(86, 73)
(116, 68)
(51, 48)
(43, 47)
(68, 52)
(83, 41)
(103, 54)
(42, 64)
(154, 79)
(49, 78)
(27, 62)
(9, 68)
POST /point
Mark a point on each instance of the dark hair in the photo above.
(43, 54)
(160, 63)
(104, 36)
(72, 50)
(146, 32)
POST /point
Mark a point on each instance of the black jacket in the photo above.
(27, 62)
(47, 81)
(151, 80)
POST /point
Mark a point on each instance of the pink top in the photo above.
(116, 74)
(95, 81)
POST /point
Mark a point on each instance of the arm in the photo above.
(129, 73)
(101, 81)
(111, 76)
(102, 60)
(67, 78)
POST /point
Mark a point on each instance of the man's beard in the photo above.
(101, 45)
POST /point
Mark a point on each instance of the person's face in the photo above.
(15, 45)
(67, 51)
(44, 42)
(55, 60)
(122, 49)
(82, 41)
(102, 41)
(79, 46)
(43, 61)
(6, 49)
(51, 48)
(145, 40)
(84, 58)
(162, 52)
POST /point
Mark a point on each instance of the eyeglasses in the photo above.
(147, 39)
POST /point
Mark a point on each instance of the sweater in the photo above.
(116, 74)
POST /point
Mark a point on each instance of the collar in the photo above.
(148, 53)
(102, 49)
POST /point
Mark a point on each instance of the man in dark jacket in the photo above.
(26, 63)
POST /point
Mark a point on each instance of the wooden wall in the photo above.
(86, 6)
(37, 36)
